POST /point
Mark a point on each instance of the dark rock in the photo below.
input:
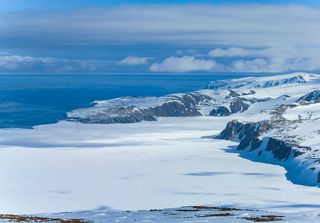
(233, 94)
(279, 149)
(239, 105)
(249, 93)
(310, 98)
(220, 111)
(232, 129)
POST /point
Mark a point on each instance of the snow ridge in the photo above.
(264, 82)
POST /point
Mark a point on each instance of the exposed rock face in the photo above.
(118, 115)
(253, 139)
(237, 131)
(310, 98)
(246, 133)
(224, 98)
(129, 110)
(237, 105)
(249, 136)
(220, 111)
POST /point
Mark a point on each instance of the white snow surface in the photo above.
(310, 111)
(169, 163)
(265, 81)
(70, 166)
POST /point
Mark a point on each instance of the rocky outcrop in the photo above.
(129, 110)
(310, 98)
(254, 143)
(249, 137)
(238, 131)
(237, 105)
(223, 98)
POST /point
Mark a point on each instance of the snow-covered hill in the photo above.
(265, 82)
(129, 109)
(223, 98)
(287, 136)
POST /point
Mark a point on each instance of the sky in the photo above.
(145, 36)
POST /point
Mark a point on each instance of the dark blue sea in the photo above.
(29, 100)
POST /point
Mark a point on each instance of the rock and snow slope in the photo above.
(223, 98)
(128, 109)
(284, 105)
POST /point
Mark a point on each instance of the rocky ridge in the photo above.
(130, 110)
(222, 98)
(275, 141)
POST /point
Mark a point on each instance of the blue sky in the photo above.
(58, 4)
(40, 36)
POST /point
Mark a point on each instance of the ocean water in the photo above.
(29, 100)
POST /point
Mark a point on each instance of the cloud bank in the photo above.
(224, 38)
(273, 59)
(236, 25)
(18, 63)
(132, 60)
(183, 64)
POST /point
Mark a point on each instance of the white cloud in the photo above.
(183, 64)
(234, 52)
(285, 37)
(14, 61)
(271, 59)
(18, 63)
(132, 60)
(255, 65)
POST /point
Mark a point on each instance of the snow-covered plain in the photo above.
(70, 166)
(173, 162)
